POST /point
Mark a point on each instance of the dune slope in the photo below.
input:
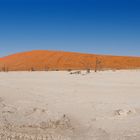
(59, 60)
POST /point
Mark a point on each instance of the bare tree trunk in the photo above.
(97, 63)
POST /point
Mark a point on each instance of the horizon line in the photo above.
(98, 54)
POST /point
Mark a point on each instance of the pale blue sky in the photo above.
(90, 26)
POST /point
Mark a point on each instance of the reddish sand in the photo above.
(58, 60)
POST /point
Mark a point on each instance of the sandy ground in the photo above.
(60, 106)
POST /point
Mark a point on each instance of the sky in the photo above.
(87, 26)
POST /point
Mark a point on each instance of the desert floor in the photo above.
(63, 106)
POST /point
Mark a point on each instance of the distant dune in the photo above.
(59, 60)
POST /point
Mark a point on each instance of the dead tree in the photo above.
(97, 64)
(32, 69)
(5, 69)
(88, 70)
(87, 63)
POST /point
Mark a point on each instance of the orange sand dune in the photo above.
(59, 60)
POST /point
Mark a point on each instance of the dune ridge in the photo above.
(39, 60)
